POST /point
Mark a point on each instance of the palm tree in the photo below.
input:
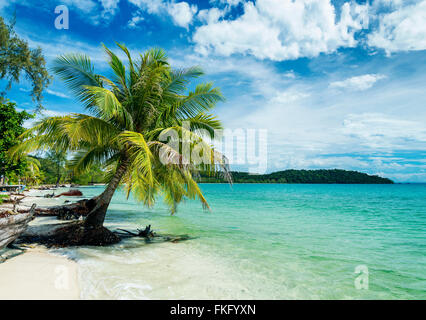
(32, 170)
(128, 115)
(59, 159)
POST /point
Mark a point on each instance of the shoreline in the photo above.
(94, 275)
(228, 259)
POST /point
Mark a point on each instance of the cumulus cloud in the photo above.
(403, 29)
(359, 83)
(284, 29)
(182, 13)
(210, 16)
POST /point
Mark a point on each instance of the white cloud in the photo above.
(408, 177)
(312, 127)
(210, 16)
(44, 113)
(110, 7)
(359, 83)
(4, 3)
(94, 11)
(378, 130)
(289, 96)
(401, 30)
(135, 21)
(84, 5)
(227, 2)
(182, 13)
(53, 113)
(284, 29)
(151, 6)
(64, 44)
(58, 94)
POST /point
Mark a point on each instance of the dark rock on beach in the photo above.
(71, 193)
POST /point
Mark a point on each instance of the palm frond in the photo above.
(201, 100)
(108, 107)
(118, 68)
(179, 79)
(83, 160)
(204, 123)
(77, 71)
(139, 153)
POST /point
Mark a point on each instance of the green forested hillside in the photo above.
(305, 176)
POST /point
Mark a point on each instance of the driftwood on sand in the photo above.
(72, 211)
(13, 224)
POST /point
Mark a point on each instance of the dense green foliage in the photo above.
(53, 172)
(305, 176)
(16, 58)
(90, 176)
(10, 129)
(58, 160)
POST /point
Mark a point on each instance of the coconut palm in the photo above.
(32, 170)
(129, 113)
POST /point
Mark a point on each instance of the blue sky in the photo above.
(337, 84)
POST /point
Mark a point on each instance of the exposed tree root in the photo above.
(77, 234)
(72, 234)
(150, 236)
(146, 233)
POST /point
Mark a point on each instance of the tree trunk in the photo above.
(91, 230)
(96, 217)
(58, 179)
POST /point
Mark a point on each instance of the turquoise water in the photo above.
(269, 241)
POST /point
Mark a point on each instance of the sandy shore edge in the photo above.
(39, 275)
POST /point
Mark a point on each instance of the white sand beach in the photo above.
(39, 275)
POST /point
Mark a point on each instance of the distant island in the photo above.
(333, 176)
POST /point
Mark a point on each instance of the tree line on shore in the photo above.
(333, 176)
(51, 167)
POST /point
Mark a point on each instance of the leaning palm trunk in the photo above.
(96, 217)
